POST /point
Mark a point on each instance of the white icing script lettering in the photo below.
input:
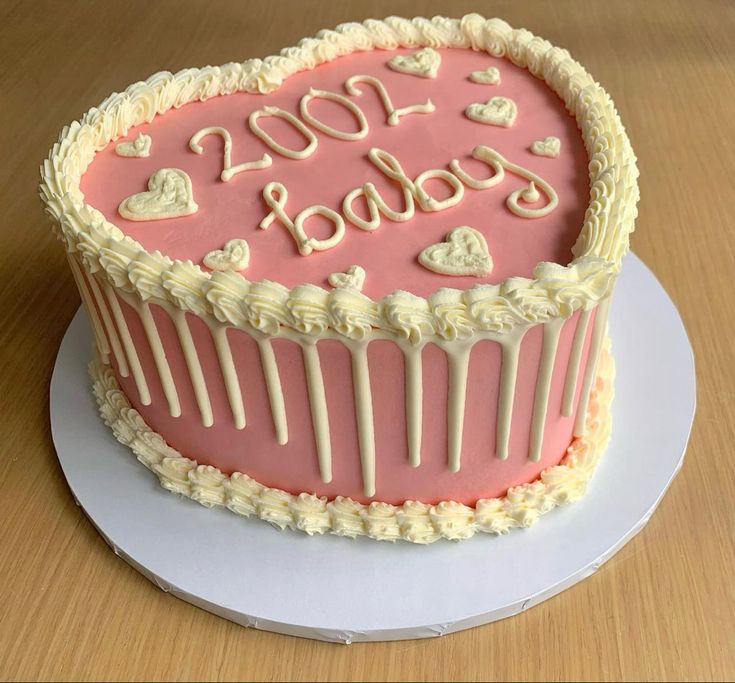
(375, 206)
(276, 196)
(329, 130)
(393, 114)
(228, 170)
(528, 194)
(392, 168)
(275, 146)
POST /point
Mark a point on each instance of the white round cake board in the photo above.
(345, 590)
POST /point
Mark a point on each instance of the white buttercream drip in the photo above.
(552, 330)
(414, 401)
(229, 375)
(159, 357)
(128, 345)
(275, 390)
(599, 330)
(364, 415)
(112, 335)
(99, 334)
(511, 347)
(193, 365)
(575, 360)
(319, 411)
(458, 357)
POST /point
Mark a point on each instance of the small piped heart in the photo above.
(235, 255)
(548, 147)
(140, 147)
(352, 278)
(424, 63)
(497, 111)
(169, 195)
(463, 252)
(489, 76)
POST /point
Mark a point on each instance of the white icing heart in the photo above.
(235, 255)
(352, 278)
(548, 147)
(497, 111)
(169, 195)
(464, 252)
(490, 76)
(140, 147)
(424, 63)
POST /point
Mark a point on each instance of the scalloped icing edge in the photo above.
(413, 521)
(555, 290)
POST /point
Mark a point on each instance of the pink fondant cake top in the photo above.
(420, 141)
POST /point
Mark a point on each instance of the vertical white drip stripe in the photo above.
(575, 359)
(319, 415)
(128, 345)
(275, 390)
(414, 402)
(102, 346)
(192, 363)
(114, 340)
(364, 415)
(511, 347)
(159, 358)
(229, 375)
(590, 372)
(552, 330)
(458, 362)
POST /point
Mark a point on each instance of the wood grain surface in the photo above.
(663, 608)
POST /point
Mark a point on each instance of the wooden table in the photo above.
(664, 607)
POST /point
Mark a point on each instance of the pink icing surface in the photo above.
(420, 142)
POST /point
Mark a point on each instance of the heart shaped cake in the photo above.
(349, 292)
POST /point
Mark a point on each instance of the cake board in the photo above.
(346, 590)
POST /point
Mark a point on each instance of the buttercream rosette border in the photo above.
(413, 521)
(554, 291)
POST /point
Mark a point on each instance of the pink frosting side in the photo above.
(293, 467)
(420, 142)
